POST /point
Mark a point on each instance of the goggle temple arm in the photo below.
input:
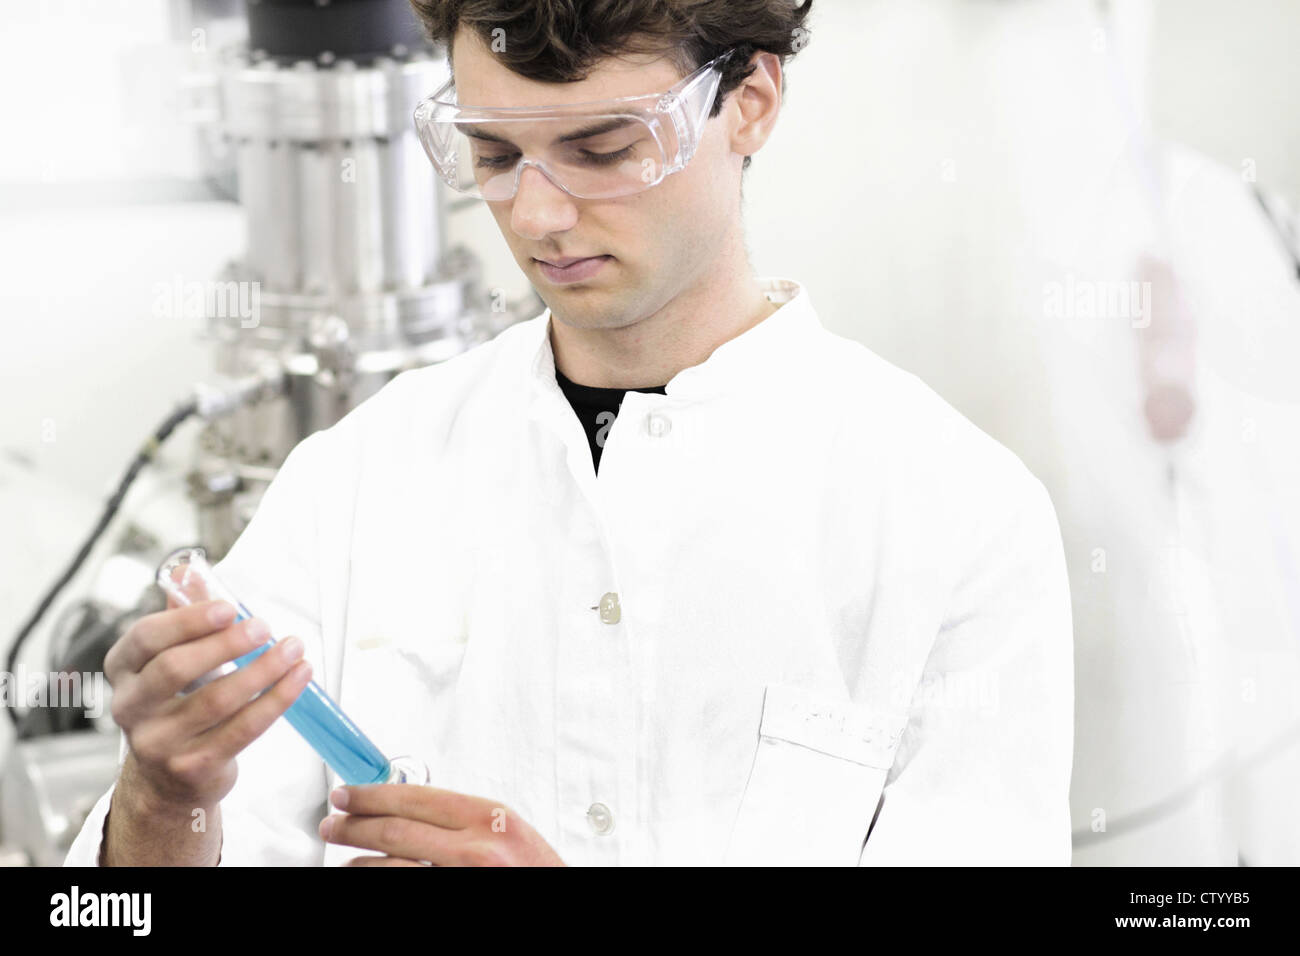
(692, 108)
(432, 135)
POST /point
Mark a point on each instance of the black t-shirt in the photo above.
(596, 409)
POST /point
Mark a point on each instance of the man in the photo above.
(668, 574)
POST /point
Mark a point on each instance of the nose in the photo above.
(541, 207)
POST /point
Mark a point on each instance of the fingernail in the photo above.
(292, 648)
(257, 631)
(339, 798)
(326, 826)
(221, 614)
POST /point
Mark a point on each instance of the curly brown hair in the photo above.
(560, 41)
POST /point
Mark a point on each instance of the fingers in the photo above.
(218, 701)
(178, 728)
(395, 836)
(227, 739)
(439, 808)
(382, 861)
(154, 633)
(179, 666)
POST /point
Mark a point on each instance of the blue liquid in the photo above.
(338, 741)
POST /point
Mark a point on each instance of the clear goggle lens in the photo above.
(590, 157)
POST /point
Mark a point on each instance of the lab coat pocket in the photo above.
(425, 664)
(815, 782)
(400, 684)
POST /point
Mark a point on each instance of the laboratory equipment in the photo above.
(186, 576)
(348, 275)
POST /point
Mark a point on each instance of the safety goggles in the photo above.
(599, 149)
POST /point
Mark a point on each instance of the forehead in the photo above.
(483, 79)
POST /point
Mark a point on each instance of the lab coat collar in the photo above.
(756, 357)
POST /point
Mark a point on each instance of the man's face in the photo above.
(660, 241)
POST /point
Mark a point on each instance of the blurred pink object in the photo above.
(1167, 353)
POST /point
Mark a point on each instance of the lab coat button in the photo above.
(601, 820)
(658, 425)
(610, 612)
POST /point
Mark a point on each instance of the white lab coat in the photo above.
(838, 602)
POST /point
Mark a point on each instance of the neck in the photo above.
(681, 334)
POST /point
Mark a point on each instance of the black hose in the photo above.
(142, 458)
(1289, 242)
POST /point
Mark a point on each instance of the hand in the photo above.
(416, 825)
(183, 748)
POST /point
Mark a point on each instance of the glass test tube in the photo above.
(187, 576)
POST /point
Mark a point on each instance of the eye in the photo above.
(605, 159)
(502, 161)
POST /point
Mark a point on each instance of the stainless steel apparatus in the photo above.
(346, 262)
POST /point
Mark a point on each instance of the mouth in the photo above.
(571, 268)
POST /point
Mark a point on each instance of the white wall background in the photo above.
(1225, 79)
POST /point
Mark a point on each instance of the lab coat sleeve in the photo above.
(271, 815)
(982, 772)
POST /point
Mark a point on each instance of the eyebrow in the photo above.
(595, 129)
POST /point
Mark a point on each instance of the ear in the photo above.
(757, 104)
